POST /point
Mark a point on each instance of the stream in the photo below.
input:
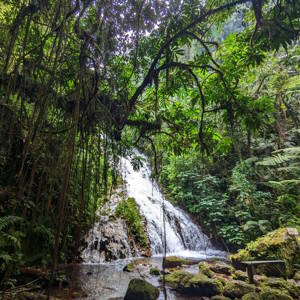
(103, 280)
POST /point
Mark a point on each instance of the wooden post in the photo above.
(250, 273)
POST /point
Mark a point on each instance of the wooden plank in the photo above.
(260, 262)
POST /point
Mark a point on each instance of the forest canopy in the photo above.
(208, 89)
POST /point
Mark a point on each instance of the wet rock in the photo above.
(237, 289)
(273, 294)
(154, 271)
(187, 283)
(174, 261)
(222, 268)
(129, 267)
(204, 268)
(139, 289)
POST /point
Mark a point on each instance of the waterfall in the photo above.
(183, 237)
(108, 239)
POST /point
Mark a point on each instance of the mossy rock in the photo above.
(274, 245)
(222, 268)
(154, 271)
(139, 289)
(187, 283)
(251, 296)
(174, 261)
(284, 285)
(297, 275)
(237, 289)
(220, 297)
(273, 294)
(240, 275)
(130, 267)
(204, 268)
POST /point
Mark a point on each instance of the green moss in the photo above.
(275, 245)
(188, 283)
(222, 268)
(297, 275)
(155, 271)
(251, 296)
(237, 289)
(129, 267)
(139, 289)
(285, 286)
(174, 261)
(128, 211)
(239, 275)
(220, 297)
(204, 268)
(273, 294)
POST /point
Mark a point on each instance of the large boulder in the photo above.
(199, 284)
(237, 289)
(139, 289)
(275, 245)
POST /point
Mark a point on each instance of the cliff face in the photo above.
(111, 237)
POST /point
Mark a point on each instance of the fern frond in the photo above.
(9, 220)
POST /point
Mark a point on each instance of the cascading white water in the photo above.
(183, 237)
(108, 239)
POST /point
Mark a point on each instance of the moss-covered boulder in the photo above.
(174, 261)
(204, 268)
(187, 283)
(284, 285)
(154, 271)
(275, 245)
(237, 289)
(222, 268)
(129, 267)
(273, 294)
(240, 275)
(139, 289)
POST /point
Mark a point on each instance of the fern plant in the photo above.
(10, 245)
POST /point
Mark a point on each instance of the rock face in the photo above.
(187, 283)
(139, 289)
(109, 240)
(275, 245)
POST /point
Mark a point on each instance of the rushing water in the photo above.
(183, 237)
(102, 280)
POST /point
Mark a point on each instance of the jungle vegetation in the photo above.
(208, 89)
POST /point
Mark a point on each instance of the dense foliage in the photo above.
(128, 210)
(84, 81)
